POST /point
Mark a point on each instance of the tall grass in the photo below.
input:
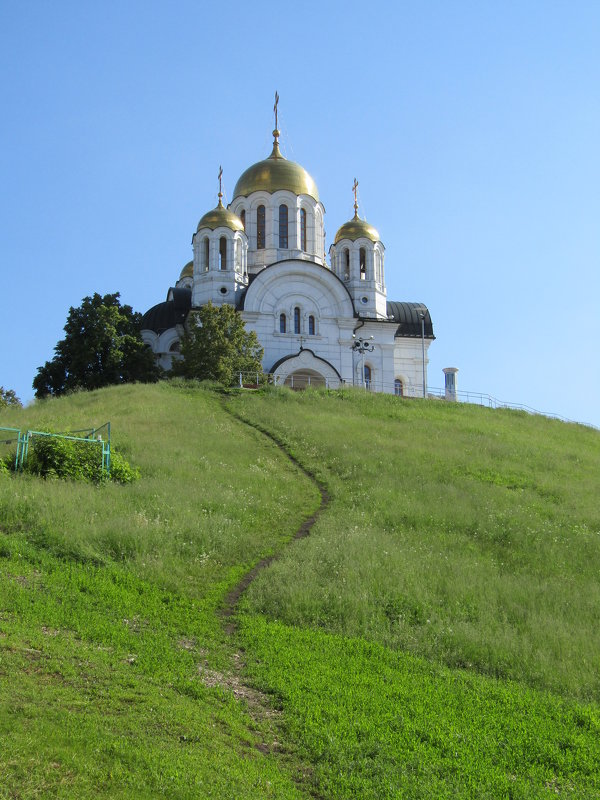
(113, 660)
(468, 536)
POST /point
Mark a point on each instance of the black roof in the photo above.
(167, 315)
(408, 317)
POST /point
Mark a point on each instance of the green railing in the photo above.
(93, 436)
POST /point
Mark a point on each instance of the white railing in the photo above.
(254, 380)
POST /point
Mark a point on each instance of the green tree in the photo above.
(216, 346)
(102, 346)
(8, 398)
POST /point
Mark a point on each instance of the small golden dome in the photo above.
(187, 271)
(221, 217)
(275, 173)
(357, 228)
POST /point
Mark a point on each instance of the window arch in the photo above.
(398, 388)
(260, 228)
(296, 320)
(282, 323)
(205, 254)
(367, 376)
(311, 325)
(243, 217)
(346, 264)
(222, 253)
(283, 226)
(363, 263)
(303, 229)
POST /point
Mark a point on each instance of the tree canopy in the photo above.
(102, 346)
(216, 346)
(8, 397)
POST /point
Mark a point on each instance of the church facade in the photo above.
(319, 323)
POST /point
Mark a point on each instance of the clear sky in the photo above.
(473, 129)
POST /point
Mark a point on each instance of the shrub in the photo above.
(53, 457)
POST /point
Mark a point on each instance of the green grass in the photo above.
(435, 636)
(114, 668)
(468, 536)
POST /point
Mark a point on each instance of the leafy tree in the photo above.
(216, 346)
(102, 346)
(8, 398)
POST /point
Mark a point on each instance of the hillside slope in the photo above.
(435, 636)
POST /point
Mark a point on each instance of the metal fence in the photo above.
(23, 439)
(255, 380)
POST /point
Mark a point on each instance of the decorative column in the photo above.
(450, 383)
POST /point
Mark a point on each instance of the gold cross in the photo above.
(220, 176)
(275, 108)
(354, 189)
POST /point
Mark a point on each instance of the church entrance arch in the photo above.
(305, 369)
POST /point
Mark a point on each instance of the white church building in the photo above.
(319, 323)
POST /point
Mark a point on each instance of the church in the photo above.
(320, 323)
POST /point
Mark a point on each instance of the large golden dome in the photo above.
(275, 173)
(221, 217)
(357, 228)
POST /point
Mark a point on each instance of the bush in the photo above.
(53, 457)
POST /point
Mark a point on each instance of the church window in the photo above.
(283, 227)
(260, 228)
(398, 388)
(363, 263)
(296, 320)
(346, 264)
(303, 229)
(175, 348)
(205, 253)
(367, 376)
(243, 217)
(222, 253)
(311, 325)
(282, 323)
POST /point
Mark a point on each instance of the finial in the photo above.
(220, 184)
(354, 189)
(276, 153)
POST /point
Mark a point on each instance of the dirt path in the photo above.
(233, 597)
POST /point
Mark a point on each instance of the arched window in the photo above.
(363, 263)
(398, 388)
(238, 255)
(243, 217)
(367, 376)
(296, 320)
(222, 253)
(303, 229)
(260, 228)
(175, 348)
(311, 325)
(346, 264)
(282, 323)
(283, 227)
(206, 254)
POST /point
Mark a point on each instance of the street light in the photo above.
(422, 316)
(362, 346)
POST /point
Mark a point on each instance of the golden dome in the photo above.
(275, 173)
(187, 271)
(221, 217)
(357, 228)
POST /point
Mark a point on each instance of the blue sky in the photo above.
(473, 129)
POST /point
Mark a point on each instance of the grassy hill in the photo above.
(435, 636)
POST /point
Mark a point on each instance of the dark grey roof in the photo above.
(408, 317)
(295, 355)
(167, 315)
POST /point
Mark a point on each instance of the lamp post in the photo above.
(362, 346)
(422, 316)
